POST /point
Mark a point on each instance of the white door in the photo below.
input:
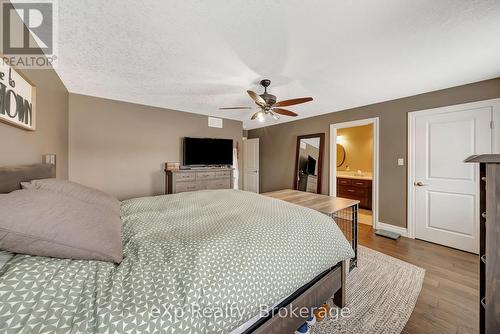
(446, 190)
(251, 165)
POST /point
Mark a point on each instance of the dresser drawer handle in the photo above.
(483, 258)
(185, 176)
(360, 183)
(351, 190)
(483, 215)
(483, 178)
(483, 302)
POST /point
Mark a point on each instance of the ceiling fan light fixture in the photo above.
(260, 117)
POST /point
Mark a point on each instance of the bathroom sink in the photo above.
(355, 174)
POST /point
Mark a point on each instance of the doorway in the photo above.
(443, 191)
(251, 170)
(354, 165)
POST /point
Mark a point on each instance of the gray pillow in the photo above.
(76, 190)
(48, 223)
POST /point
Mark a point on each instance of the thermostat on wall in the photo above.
(214, 122)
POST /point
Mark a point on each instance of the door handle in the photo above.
(418, 184)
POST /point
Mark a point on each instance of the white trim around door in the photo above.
(494, 104)
(375, 167)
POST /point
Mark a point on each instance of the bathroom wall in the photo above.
(358, 145)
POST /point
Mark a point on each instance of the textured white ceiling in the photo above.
(197, 56)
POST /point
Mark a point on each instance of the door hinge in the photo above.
(492, 125)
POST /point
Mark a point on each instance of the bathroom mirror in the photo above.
(340, 155)
(308, 162)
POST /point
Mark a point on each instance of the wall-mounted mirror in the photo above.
(340, 155)
(308, 162)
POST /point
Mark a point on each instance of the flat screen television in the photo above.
(311, 165)
(207, 152)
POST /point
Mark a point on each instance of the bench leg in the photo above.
(339, 296)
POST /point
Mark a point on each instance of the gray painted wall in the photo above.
(277, 143)
(121, 147)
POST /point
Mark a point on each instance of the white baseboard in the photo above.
(401, 230)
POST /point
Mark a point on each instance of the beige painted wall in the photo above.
(276, 156)
(358, 145)
(121, 147)
(19, 146)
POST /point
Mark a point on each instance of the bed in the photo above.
(220, 261)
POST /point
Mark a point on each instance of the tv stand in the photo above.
(182, 180)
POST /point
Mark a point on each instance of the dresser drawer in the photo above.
(222, 174)
(219, 184)
(186, 186)
(181, 177)
(205, 175)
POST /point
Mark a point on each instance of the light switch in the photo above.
(401, 162)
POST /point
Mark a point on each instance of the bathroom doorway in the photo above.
(354, 166)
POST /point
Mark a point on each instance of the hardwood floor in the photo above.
(448, 302)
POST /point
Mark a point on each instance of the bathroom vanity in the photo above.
(355, 186)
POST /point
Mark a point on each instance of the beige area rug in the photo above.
(381, 295)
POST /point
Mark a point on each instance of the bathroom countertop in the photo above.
(354, 175)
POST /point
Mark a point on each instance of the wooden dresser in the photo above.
(178, 181)
(489, 242)
(357, 189)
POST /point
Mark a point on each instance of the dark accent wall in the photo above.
(277, 142)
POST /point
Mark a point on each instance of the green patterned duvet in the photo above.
(199, 262)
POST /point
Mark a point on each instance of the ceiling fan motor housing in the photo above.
(269, 98)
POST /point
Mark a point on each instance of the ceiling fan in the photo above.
(268, 105)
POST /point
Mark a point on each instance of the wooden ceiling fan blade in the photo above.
(259, 100)
(235, 108)
(292, 102)
(284, 112)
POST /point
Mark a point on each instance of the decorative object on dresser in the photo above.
(358, 189)
(182, 180)
(489, 242)
(308, 162)
(172, 165)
